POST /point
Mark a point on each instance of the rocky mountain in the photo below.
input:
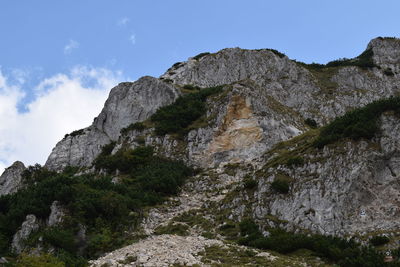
(248, 122)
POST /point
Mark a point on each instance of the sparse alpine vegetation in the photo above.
(175, 118)
(345, 253)
(357, 124)
(363, 61)
(106, 209)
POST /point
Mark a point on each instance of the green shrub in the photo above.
(75, 133)
(294, 161)
(388, 72)
(191, 87)
(345, 253)
(249, 183)
(311, 122)
(276, 52)
(357, 124)
(186, 109)
(60, 238)
(280, 185)
(379, 240)
(364, 61)
(138, 126)
(201, 55)
(106, 210)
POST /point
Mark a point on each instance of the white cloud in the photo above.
(64, 102)
(132, 38)
(72, 44)
(123, 21)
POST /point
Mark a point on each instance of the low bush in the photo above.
(364, 61)
(75, 133)
(191, 87)
(249, 183)
(106, 210)
(294, 161)
(186, 109)
(357, 124)
(138, 126)
(345, 253)
(311, 122)
(197, 57)
(281, 186)
(379, 240)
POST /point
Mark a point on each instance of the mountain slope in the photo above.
(247, 122)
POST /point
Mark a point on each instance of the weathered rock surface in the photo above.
(163, 251)
(346, 189)
(30, 225)
(57, 213)
(127, 103)
(11, 179)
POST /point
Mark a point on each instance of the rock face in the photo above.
(344, 189)
(28, 226)
(11, 179)
(128, 103)
(57, 214)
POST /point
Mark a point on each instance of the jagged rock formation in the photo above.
(30, 225)
(11, 179)
(57, 213)
(249, 131)
(126, 104)
(278, 94)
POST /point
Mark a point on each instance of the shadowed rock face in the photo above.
(11, 179)
(127, 103)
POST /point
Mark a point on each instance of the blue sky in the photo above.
(53, 54)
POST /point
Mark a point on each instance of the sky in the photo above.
(59, 59)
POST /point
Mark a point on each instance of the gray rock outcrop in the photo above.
(127, 103)
(11, 179)
(30, 225)
(57, 213)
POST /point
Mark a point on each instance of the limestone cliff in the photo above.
(249, 132)
(127, 103)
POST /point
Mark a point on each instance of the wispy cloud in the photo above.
(72, 44)
(123, 21)
(132, 38)
(63, 103)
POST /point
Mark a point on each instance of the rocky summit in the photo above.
(234, 158)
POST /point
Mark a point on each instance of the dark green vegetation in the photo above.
(249, 183)
(294, 161)
(345, 253)
(106, 209)
(280, 185)
(363, 61)
(201, 55)
(379, 240)
(175, 118)
(75, 133)
(311, 122)
(357, 124)
(138, 126)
